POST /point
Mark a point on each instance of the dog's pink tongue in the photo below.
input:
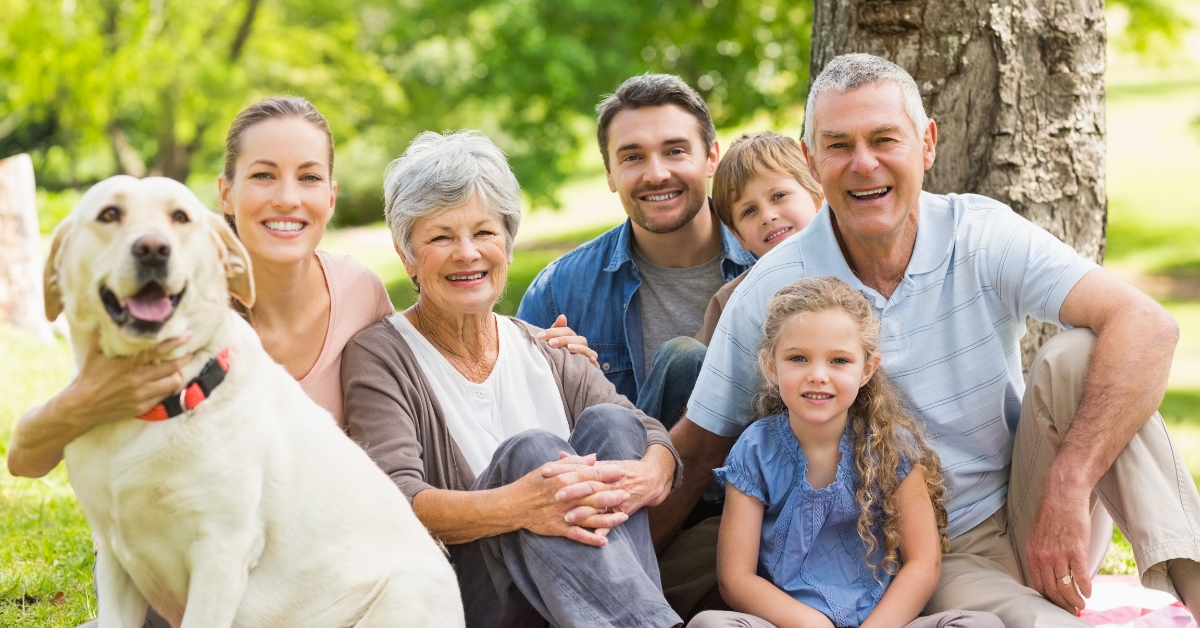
(153, 310)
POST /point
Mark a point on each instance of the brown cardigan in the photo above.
(394, 415)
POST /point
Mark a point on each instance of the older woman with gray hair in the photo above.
(520, 457)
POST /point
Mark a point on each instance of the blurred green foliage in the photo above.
(1154, 27)
(96, 88)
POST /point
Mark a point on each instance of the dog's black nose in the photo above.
(151, 250)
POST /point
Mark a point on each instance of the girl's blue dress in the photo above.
(809, 546)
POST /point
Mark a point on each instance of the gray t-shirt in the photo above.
(673, 300)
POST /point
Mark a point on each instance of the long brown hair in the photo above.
(884, 433)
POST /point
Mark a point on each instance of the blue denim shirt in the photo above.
(596, 287)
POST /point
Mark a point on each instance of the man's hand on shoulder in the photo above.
(559, 335)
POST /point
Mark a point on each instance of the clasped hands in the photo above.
(583, 499)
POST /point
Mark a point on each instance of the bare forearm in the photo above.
(41, 435)
(700, 451)
(906, 595)
(660, 465)
(668, 517)
(1125, 383)
(752, 594)
(456, 517)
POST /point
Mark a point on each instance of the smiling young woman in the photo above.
(277, 192)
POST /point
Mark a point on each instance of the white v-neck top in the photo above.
(519, 394)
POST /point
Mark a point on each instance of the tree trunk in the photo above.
(1017, 90)
(20, 249)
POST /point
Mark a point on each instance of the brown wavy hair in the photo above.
(884, 433)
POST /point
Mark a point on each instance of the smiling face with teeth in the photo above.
(659, 166)
(870, 161)
(772, 207)
(461, 260)
(819, 365)
(283, 194)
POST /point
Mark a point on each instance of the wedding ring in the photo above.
(1065, 579)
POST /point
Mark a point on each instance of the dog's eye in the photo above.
(112, 213)
(180, 216)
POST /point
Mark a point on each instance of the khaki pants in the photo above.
(688, 567)
(1147, 491)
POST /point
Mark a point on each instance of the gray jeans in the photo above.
(520, 579)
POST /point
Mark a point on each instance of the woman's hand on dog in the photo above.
(571, 499)
(114, 388)
(106, 389)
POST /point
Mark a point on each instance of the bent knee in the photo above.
(608, 417)
(524, 451)
(681, 351)
(610, 431)
(1070, 349)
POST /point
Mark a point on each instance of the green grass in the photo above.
(45, 543)
(1152, 247)
(1180, 410)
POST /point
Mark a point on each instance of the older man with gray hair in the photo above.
(952, 278)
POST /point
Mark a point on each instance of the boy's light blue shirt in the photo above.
(596, 287)
(950, 333)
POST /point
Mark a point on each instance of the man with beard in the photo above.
(639, 291)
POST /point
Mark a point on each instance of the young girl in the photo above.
(833, 506)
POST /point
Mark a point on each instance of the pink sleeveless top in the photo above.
(356, 299)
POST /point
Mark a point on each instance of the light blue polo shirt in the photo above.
(950, 334)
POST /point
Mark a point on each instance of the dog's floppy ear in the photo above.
(51, 293)
(235, 260)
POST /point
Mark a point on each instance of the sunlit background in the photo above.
(98, 87)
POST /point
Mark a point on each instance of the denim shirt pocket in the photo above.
(613, 358)
(617, 367)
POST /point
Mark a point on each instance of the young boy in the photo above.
(763, 192)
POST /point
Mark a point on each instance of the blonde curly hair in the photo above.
(884, 433)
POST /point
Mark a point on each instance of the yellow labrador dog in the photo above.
(239, 502)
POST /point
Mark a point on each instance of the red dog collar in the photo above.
(196, 390)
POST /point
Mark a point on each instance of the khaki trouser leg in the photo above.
(688, 567)
(981, 573)
(1147, 491)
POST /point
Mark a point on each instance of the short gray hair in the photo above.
(444, 171)
(846, 72)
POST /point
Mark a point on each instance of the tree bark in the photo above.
(20, 249)
(1017, 90)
